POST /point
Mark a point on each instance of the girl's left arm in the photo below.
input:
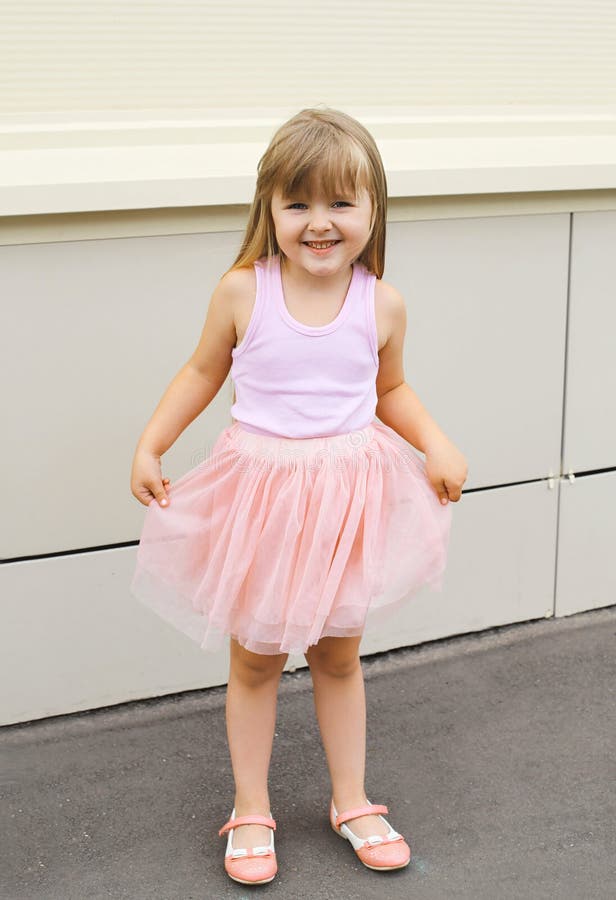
(400, 408)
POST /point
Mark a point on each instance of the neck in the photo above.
(308, 282)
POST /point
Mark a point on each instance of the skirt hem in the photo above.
(212, 636)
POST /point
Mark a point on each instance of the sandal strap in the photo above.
(375, 809)
(369, 845)
(240, 854)
(248, 820)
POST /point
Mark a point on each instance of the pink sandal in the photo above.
(256, 867)
(379, 852)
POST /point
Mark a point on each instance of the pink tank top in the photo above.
(302, 381)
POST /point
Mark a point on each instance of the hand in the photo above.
(446, 469)
(146, 481)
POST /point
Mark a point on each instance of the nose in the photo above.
(320, 221)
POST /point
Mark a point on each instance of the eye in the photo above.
(341, 203)
(296, 205)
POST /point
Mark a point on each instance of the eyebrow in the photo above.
(304, 194)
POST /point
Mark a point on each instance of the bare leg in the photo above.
(340, 703)
(252, 692)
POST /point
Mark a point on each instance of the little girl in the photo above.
(310, 518)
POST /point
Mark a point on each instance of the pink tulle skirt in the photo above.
(281, 541)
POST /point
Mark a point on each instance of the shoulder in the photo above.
(390, 308)
(387, 295)
(238, 283)
(235, 293)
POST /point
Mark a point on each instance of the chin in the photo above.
(325, 266)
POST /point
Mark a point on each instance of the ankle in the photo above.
(247, 804)
(349, 800)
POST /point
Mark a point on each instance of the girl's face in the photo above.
(322, 235)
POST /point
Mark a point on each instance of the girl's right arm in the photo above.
(192, 389)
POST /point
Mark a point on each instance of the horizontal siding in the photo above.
(58, 56)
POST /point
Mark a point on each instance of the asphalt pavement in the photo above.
(495, 753)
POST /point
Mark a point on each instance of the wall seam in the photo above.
(564, 413)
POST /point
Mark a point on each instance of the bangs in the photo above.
(334, 164)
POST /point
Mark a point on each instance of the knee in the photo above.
(333, 660)
(253, 669)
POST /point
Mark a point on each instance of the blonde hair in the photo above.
(317, 146)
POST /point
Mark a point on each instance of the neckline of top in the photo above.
(312, 329)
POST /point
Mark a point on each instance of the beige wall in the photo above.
(57, 55)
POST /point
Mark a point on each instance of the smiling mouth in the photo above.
(320, 245)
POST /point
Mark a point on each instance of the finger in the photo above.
(443, 496)
(161, 497)
(454, 492)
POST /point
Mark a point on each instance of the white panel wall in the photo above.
(61, 55)
(586, 575)
(73, 638)
(97, 330)
(485, 342)
(590, 415)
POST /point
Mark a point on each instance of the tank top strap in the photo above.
(267, 276)
(259, 312)
(263, 271)
(366, 288)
